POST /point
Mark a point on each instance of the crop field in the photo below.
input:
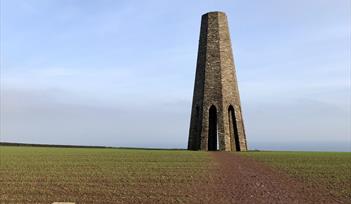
(329, 169)
(86, 175)
(108, 175)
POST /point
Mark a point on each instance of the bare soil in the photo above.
(238, 179)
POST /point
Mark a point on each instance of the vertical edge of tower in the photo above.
(231, 96)
(195, 129)
(227, 78)
(212, 93)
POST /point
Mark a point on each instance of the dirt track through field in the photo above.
(243, 180)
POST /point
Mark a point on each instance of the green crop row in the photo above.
(331, 170)
(45, 175)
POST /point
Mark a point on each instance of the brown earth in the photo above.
(238, 179)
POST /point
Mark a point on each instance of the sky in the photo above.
(121, 73)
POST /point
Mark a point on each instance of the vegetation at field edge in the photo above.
(87, 175)
(329, 169)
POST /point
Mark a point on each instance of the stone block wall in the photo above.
(216, 86)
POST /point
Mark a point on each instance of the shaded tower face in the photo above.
(216, 119)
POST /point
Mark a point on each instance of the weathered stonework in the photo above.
(216, 118)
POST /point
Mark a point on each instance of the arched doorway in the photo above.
(233, 129)
(212, 129)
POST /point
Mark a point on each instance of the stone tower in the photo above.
(216, 119)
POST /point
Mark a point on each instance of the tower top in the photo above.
(214, 12)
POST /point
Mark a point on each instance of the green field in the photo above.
(331, 170)
(85, 175)
(95, 175)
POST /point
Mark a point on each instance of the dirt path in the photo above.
(244, 180)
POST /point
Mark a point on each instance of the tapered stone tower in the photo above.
(216, 118)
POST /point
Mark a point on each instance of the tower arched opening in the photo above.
(233, 129)
(212, 129)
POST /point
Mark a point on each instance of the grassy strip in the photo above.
(45, 175)
(331, 169)
(79, 146)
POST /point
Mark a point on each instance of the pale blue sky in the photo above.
(121, 73)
